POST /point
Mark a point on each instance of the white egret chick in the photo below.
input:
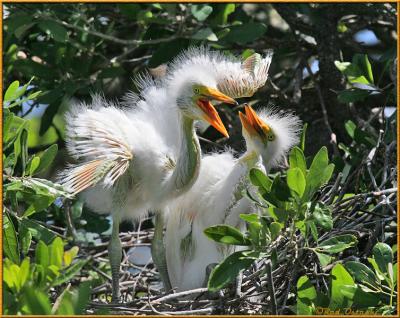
(216, 197)
(136, 159)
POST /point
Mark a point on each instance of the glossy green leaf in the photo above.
(39, 231)
(42, 255)
(227, 271)
(47, 157)
(303, 137)
(260, 179)
(246, 33)
(11, 92)
(275, 229)
(10, 242)
(352, 95)
(201, 12)
(70, 272)
(323, 216)
(296, 181)
(338, 243)
(339, 278)
(383, 256)
(33, 165)
(226, 234)
(37, 301)
(223, 13)
(56, 30)
(316, 173)
(361, 272)
(306, 295)
(205, 34)
(57, 252)
(297, 160)
(324, 259)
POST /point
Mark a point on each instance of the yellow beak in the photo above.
(210, 113)
(253, 123)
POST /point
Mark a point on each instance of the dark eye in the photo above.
(197, 91)
(271, 137)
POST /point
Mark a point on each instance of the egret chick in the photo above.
(216, 197)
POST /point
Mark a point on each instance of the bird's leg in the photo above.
(115, 254)
(158, 250)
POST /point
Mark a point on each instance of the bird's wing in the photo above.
(243, 79)
(96, 136)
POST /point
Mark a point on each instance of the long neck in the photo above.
(250, 159)
(188, 163)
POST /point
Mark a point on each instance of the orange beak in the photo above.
(212, 116)
(214, 94)
(253, 123)
(210, 113)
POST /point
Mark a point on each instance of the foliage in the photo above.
(354, 288)
(28, 284)
(314, 227)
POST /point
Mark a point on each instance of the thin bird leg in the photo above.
(158, 250)
(115, 254)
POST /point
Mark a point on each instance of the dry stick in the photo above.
(271, 288)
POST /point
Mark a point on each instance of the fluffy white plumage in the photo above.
(147, 132)
(216, 198)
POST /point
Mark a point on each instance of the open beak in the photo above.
(210, 113)
(212, 116)
(253, 123)
(214, 94)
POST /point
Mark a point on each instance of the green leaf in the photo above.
(39, 231)
(25, 238)
(226, 234)
(10, 243)
(227, 271)
(11, 92)
(70, 255)
(83, 298)
(383, 256)
(306, 295)
(323, 258)
(201, 12)
(339, 278)
(24, 272)
(275, 229)
(316, 173)
(360, 298)
(57, 252)
(33, 165)
(297, 160)
(223, 13)
(362, 61)
(69, 272)
(303, 137)
(352, 95)
(296, 181)
(47, 157)
(260, 179)
(42, 256)
(245, 33)
(205, 34)
(56, 30)
(24, 149)
(37, 302)
(361, 272)
(323, 216)
(338, 243)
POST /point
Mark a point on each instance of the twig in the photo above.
(271, 288)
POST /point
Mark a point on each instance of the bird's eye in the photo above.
(271, 137)
(196, 91)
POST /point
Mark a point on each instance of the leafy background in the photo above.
(333, 64)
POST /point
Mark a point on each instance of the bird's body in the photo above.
(134, 160)
(217, 198)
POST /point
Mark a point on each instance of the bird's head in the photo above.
(196, 98)
(269, 133)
